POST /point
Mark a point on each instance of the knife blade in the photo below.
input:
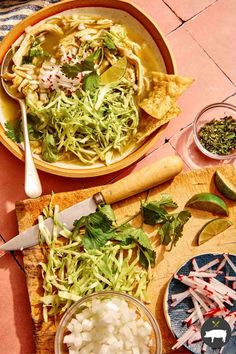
(137, 182)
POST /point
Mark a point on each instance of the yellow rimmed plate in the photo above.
(124, 12)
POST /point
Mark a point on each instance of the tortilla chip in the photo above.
(166, 89)
(149, 124)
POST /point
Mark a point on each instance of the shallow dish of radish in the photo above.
(202, 288)
(108, 322)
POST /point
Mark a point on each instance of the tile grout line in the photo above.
(185, 22)
(204, 50)
(190, 18)
(13, 255)
(190, 168)
(233, 94)
(173, 11)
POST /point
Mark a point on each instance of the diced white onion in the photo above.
(108, 326)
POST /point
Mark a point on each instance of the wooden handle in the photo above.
(144, 179)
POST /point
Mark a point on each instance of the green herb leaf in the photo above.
(14, 131)
(94, 57)
(154, 212)
(94, 238)
(49, 148)
(147, 258)
(72, 70)
(98, 229)
(172, 230)
(218, 136)
(109, 43)
(36, 51)
(128, 234)
(107, 211)
(91, 82)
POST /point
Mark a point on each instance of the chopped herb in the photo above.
(72, 70)
(219, 136)
(91, 82)
(154, 212)
(36, 51)
(109, 43)
(172, 230)
(171, 223)
(99, 227)
(49, 148)
(14, 131)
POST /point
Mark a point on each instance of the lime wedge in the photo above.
(213, 228)
(225, 186)
(115, 72)
(208, 202)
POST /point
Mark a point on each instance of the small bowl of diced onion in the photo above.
(108, 322)
(214, 131)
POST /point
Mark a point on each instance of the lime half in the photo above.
(225, 186)
(114, 73)
(208, 202)
(213, 228)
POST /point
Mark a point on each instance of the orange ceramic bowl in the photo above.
(145, 26)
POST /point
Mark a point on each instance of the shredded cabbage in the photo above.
(70, 271)
(91, 125)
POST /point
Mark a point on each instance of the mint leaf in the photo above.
(94, 238)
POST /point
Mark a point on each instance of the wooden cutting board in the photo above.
(181, 189)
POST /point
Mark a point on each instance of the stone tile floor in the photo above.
(201, 34)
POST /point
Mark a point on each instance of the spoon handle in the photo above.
(33, 188)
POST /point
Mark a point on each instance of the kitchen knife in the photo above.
(137, 182)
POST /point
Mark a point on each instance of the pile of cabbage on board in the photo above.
(96, 255)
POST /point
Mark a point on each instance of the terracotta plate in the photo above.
(125, 12)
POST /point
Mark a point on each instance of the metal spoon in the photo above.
(33, 188)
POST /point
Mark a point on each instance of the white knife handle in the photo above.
(142, 180)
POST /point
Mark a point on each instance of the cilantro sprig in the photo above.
(91, 80)
(170, 224)
(100, 227)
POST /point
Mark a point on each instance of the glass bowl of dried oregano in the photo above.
(214, 131)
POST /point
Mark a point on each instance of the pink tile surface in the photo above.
(163, 151)
(210, 84)
(185, 146)
(186, 9)
(15, 320)
(231, 100)
(160, 13)
(204, 49)
(214, 29)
